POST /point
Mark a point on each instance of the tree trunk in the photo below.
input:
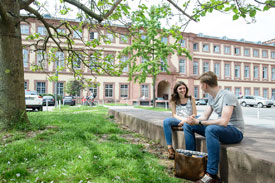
(12, 95)
(154, 90)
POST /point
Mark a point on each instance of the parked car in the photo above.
(201, 102)
(50, 100)
(273, 101)
(255, 101)
(33, 100)
(69, 100)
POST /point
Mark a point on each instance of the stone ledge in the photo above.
(253, 160)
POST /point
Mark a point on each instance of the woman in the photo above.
(182, 106)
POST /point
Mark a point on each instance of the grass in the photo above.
(153, 109)
(76, 144)
(115, 104)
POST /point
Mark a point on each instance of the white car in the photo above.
(33, 100)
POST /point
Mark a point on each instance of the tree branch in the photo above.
(183, 12)
(26, 3)
(112, 9)
(3, 12)
(85, 9)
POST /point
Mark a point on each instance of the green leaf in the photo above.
(252, 13)
(235, 17)
(266, 7)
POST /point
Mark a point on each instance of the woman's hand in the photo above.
(181, 123)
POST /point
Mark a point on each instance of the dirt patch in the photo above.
(150, 146)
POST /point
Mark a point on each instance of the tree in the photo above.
(74, 87)
(12, 103)
(150, 42)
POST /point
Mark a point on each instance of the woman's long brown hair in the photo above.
(175, 95)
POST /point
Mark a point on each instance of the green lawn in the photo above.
(76, 144)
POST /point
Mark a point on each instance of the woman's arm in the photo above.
(194, 107)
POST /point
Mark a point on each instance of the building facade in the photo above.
(245, 68)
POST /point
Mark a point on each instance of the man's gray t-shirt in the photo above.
(227, 98)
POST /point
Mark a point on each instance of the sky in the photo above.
(218, 24)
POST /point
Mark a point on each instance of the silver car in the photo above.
(255, 101)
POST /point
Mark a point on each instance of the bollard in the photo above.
(59, 104)
(47, 105)
(258, 113)
(166, 105)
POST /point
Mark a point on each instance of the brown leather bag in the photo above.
(190, 165)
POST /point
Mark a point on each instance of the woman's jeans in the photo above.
(214, 134)
(167, 127)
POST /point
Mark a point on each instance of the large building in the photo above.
(244, 67)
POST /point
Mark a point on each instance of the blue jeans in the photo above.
(167, 127)
(214, 134)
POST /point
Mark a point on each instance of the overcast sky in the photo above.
(218, 24)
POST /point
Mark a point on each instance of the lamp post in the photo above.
(56, 82)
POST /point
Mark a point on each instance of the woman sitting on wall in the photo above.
(183, 106)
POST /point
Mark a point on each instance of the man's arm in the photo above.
(222, 121)
(207, 113)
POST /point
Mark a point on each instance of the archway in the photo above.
(164, 90)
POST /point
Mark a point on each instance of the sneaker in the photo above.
(171, 153)
(208, 179)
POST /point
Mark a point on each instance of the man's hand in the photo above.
(192, 120)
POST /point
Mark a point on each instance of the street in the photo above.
(264, 117)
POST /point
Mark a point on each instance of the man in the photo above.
(227, 128)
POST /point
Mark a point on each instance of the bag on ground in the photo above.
(190, 165)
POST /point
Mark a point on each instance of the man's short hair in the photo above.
(209, 78)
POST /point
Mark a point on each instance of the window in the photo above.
(124, 90)
(77, 62)
(93, 35)
(237, 51)
(256, 72)
(144, 91)
(217, 69)
(205, 47)
(42, 31)
(273, 54)
(237, 71)
(264, 54)
(227, 50)
(205, 67)
(25, 29)
(92, 63)
(26, 57)
(237, 91)
(41, 59)
(196, 92)
(60, 89)
(256, 53)
(195, 46)
(183, 43)
(256, 92)
(247, 91)
(264, 72)
(195, 68)
(162, 65)
(247, 52)
(61, 31)
(246, 71)
(77, 34)
(216, 49)
(60, 58)
(124, 59)
(182, 66)
(227, 88)
(265, 93)
(124, 39)
(164, 40)
(110, 37)
(94, 89)
(273, 93)
(273, 73)
(25, 85)
(41, 87)
(108, 90)
(227, 70)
